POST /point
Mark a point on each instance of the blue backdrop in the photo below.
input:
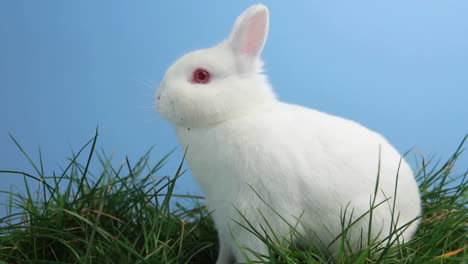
(398, 67)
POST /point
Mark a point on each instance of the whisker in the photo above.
(150, 106)
(151, 120)
(149, 84)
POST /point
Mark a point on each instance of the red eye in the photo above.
(201, 76)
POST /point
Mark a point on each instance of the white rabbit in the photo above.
(254, 155)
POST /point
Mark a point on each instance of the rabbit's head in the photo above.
(209, 86)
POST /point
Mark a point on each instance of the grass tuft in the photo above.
(129, 214)
(125, 214)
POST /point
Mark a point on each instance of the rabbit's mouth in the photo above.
(158, 98)
(158, 103)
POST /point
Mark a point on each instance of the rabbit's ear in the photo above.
(248, 35)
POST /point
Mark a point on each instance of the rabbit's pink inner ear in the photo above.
(255, 34)
(250, 32)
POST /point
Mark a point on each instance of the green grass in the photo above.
(129, 214)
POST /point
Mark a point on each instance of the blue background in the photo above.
(398, 67)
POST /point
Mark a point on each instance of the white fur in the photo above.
(306, 165)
